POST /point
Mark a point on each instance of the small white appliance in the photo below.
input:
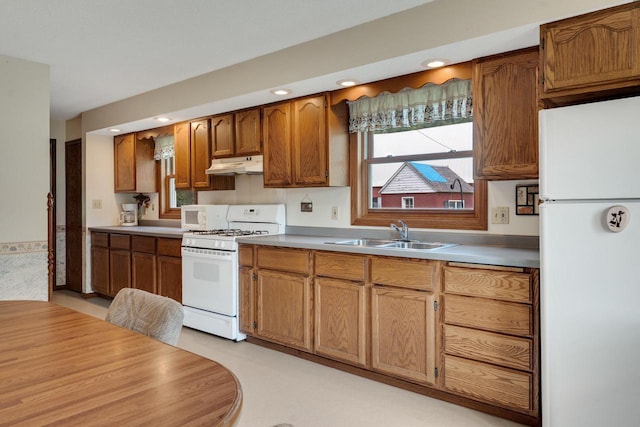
(210, 268)
(203, 217)
(590, 264)
(129, 214)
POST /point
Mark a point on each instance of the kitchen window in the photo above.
(414, 160)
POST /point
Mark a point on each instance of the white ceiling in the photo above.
(103, 51)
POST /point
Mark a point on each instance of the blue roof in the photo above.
(428, 172)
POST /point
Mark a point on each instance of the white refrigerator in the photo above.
(590, 264)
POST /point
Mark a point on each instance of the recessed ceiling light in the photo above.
(281, 92)
(163, 119)
(348, 83)
(435, 63)
(114, 130)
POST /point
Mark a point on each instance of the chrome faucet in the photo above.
(404, 231)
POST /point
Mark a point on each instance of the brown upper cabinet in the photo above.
(182, 149)
(248, 132)
(305, 143)
(201, 149)
(236, 134)
(505, 102)
(200, 153)
(135, 168)
(222, 137)
(592, 55)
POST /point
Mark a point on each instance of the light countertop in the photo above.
(143, 230)
(476, 254)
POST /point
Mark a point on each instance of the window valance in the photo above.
(430, 105)
(163, 147)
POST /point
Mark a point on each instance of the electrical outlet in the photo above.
(96, 204)
(500, 215)
(334, 213)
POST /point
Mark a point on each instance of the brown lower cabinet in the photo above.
(150, 263)
(465, 333)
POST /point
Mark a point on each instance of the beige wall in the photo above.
(24, 139)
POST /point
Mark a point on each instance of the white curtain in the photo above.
(164, 147)
(430, 105)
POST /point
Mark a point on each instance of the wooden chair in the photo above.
(149, 314)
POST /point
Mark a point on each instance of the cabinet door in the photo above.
(119, 270)
(284, 308)
(182, 159)
(403, 333)
(170, 277)
(222, 135)
(340, 320)
(248, 132)
(125, 162)
(587, 51)
(310, 141)
(143, 269)
(100, 270)
(145, 166)
(505, 102)
(200, 153)
(247, 300)
(277, 146)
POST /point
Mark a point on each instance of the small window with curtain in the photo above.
(170, 198)
(415, 152)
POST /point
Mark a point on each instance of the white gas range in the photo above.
(210, 267)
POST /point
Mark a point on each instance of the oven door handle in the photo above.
(209, 254)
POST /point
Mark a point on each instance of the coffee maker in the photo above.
(129, 214)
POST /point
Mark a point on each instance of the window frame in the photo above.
(166, 211)
(453, 219)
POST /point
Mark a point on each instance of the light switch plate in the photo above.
(500, 215)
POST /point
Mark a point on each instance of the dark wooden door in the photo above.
(73, 217)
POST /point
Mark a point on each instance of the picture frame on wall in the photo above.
(527, 200)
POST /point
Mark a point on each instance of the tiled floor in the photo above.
(283, 389)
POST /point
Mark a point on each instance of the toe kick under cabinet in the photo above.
(490, 335)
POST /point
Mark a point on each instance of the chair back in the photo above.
(149, 314)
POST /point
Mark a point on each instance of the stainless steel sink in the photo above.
(392, 244)
(363, 242)
(417, 245)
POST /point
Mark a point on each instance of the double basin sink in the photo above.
(393, 244)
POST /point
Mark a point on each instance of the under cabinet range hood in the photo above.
(236, 166)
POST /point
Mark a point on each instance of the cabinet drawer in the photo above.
(481, 313)
(245, 255)
(100, 239)
(489, 347)
(120, 241)
(143, 244)
(169, 247)
(293, 260)
(340, 266)
(503, 285)
(488, 383)
(403, 272)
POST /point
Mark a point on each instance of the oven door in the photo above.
(209, 280)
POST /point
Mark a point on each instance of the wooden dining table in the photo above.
(62, 367)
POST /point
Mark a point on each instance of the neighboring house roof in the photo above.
(414, 177)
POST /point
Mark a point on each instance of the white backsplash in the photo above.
(249, 189)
